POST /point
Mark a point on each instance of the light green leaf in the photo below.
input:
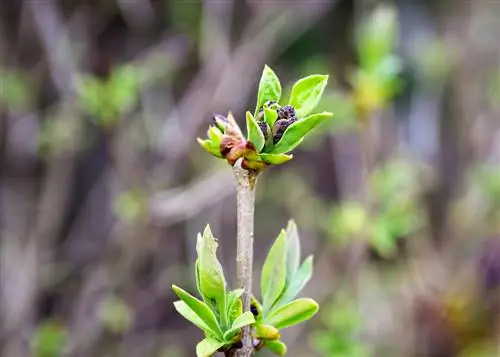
(269, 88)
(234, 305)
(242, 320)
(267, 332)
(275, 159)
(298, 281)
(296, 132)
(197, 276)
(255, 135)
(270, 116)
(293, 250)
(122, 88)
(215, 135)
(207, 347)
(210, 147)
(273, 277)
(211, 275)
(276, 347)
(200, 308)
(293, 313)
(185, 311)
(306, 94)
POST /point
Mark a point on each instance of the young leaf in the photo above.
(212, 281)
(267, 332)
(242, 320)
(269, 88)
(275, 159)
(306, 94)
(207, 347)
(255, 135)
(277, 347)
(273, 277)
(234, 305)
(297, 282)
(293, 313)
(215, 135)
(293, 250)
(185, 311)
(296, 132)
(208, 146)
(270, 116)
(200, 308)
(197, 276)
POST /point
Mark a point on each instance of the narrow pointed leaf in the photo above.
(215, 135)
(306, 94)
(298, 281)
(210, 147)
(276, 347)
(242, 320)
(267, 332)
(270, 116)
(269, 88)
(211, 275)
(234, 305)
(274, 272)
(293, 313)
(183, 309)
(293, 250)
(207, 347)
(296, 132)
(255, 135)
(275, 159)
(200, 308)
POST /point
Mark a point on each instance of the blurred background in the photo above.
(103, 186)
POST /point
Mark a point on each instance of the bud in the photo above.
(286, 112)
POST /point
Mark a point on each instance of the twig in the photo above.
(245, 197)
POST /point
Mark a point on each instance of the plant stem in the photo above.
(245, 197)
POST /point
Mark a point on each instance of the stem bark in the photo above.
(245, 200)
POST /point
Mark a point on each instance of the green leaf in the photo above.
(200, 308)
(270, 116)
(273, 277)
(267, 332)
(296, 132)
(255, 135)
(298, 281)
(306, 94)
(212, 281)
(275, 159)
(234, 305)
(276, 347)
(207, 347)
(242, 320)
(186, 312)
(210, 147)
(293, 313)
(293, 250)
(269, 88)
(197, 276)
(215, 135)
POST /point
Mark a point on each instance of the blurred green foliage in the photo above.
(14, 89)
(50, 339)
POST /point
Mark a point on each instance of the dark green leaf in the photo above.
(306, 94)
(186, 312)
(296, 132)
(298, 281)
(269, 88)
(242, 320)
(200, 308)
(276, 347)
(207, 347)
(293, 250)
(274, 272)
(275, 159)
(293, 313)
(255, 135)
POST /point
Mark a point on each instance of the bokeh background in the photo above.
(103, 186)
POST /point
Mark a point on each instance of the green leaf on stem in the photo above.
(185, 311)
(306, 94)
(273, 277)
(208, 346)
(276, 347)
(269, 88)
(275, 159)
(293, 250)
(267, 332)
(197, 276)
(293, 313)
(255, 135)
(296, 132)
(200, 308)
(270, 116)
(209, 146)
(242, 320)
(215, 135)
(297, 282)
(234, 305)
